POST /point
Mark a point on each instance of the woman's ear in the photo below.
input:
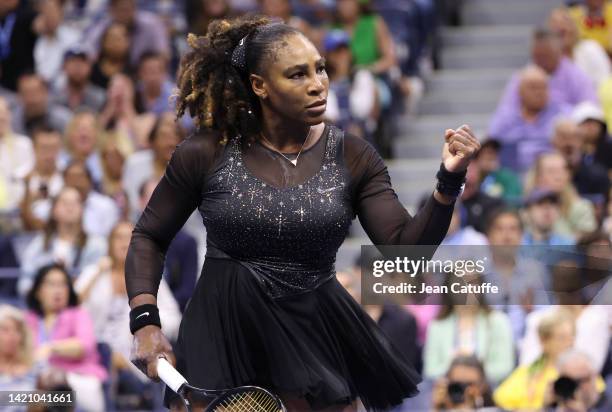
(259, 85)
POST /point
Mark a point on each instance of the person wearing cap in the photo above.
(497, 181)
(592, 127)
(541, 213)
(75, 90)
(354, 102)
(54, 39)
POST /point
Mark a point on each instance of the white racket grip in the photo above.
(169, 375)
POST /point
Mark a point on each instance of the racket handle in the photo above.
(169, 375)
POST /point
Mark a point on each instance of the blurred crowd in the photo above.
(87, 127)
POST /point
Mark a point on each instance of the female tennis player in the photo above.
(277, 189)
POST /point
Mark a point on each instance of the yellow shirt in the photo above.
(525, 389)
(591, 28)
(605, 98)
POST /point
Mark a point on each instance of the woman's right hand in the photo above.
(149, 345)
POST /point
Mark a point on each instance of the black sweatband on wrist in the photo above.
(450, 183)
(144, 315)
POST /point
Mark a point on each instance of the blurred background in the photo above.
(87, 127)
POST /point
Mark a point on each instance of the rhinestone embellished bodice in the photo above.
(287, 237)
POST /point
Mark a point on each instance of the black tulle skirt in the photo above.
(318, 345)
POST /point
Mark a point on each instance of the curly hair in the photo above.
(213, 90)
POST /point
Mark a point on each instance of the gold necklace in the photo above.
(292, 161)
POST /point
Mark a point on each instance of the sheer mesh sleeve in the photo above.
(176, 196)
(375, 202)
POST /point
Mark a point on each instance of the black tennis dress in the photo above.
(267, 309)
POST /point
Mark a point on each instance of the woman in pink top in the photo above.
(63, 335)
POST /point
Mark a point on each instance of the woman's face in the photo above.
(10, 337)
(553, 173)
(348, 10)
(83, 135)
(113, 161)
(54, 292)
(68, 207)
(121, 242)
(296, 84)
(117, 41)
(561, 340)
(166, 138)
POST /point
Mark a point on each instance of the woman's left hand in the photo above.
(460, 147)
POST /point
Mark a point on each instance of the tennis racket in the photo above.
(240, 399)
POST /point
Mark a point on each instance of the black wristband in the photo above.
(144, 315)
(450, 183)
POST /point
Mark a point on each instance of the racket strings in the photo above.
(250, 401)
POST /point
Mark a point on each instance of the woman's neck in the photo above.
(286, 136)
(68, 231)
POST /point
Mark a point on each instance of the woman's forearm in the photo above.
(71, 348)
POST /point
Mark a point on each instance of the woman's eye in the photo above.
(297, 75)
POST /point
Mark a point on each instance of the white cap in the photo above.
(588, 111)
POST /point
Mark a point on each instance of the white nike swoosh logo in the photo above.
(142, 314)
(327, 190)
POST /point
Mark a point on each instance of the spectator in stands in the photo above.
(75, 90)
(597, 144)
(120, 116)
(587, 54)
(520, 280)
(101, 289)
(283, 10)
(199, 14)
(353, 95)
(37, 108)
(17, 370)
(459, 233)
(154, 87)
(568, 85)
(181, 265)
(464, 387)
(541, 213)
(529, 126)
(44, 182)
(114, 151)
(551, 172)
(594, 19)
(526, 387)
(54, 39)
(473, 329)
(16, 156)
(63, 335)
(63, 240)
(588, 395)
(17, 46)
(590, 178)
(147, 164)
(497, 181)
(114, 55)
(476, 203)
(596, 248)
(146, 30)
(81, 144)
(591, 333)
(100, 213)
(371, 42)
